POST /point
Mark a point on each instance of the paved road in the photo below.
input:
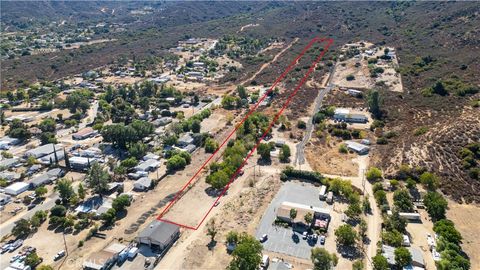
(300, 153)
(7, 226)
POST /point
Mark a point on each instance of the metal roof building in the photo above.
(159, 233)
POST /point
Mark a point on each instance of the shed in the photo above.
(159, 233)
(16, 188)
(357, 147)
(142, 184)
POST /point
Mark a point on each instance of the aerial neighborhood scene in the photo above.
(239, 135)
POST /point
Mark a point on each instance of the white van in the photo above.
(265, 261)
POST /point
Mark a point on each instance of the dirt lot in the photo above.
(240, 212)
(467, 219)
(327, 159)
(362, 74)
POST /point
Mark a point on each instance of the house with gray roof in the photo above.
(159, 233)
(43, 150)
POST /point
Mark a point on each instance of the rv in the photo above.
(322, 193)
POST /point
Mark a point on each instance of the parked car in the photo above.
(322, 239)
(263, 238)
(15, 245)
(59, 255)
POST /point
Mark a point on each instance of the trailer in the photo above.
(322, 193)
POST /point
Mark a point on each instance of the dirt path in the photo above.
(264, 66)
(374, 220)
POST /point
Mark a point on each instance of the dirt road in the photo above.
(374, 220)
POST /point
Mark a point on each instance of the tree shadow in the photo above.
(263, 162)
(211, 245)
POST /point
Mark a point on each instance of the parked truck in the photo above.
(330, 197)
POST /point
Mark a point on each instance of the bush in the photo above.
(420, 131)
(289, 172)
(374, 174)
(343, 148)
(350, 77)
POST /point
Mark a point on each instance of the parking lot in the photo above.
(284, 240)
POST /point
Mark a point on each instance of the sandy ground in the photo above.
(122, 80)
(362, 80)
(467, 219)
(328, 160)
(362, 74)
(239, 211)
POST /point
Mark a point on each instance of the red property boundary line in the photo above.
(287, 70)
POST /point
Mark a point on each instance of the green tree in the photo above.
(353, 211)
(196, 126)
(284, 153)
(446, 229)
(374, 174)
(232, 237)
(41, 191)
(402, 200)
(429, 180)
(402, 257)
(81, 191)
(58, 211)
(109, 216)
(98, 178)
(121, 202)
(393, 238)
(247, 255)
(212, 230)
(436, 205)
(308, 218)
(345, 235)
(293, 213)
(264, 151)
(17, 129)
(363, 227)
(380, 263)
(33, 260)
(218, 179)
(358, 265)
(242, 92)
(322, 259)
(374, 103)
(396, 222)
(137, 150)
(210, 145)
(65, 189)
(176, 162)
(47, 125)
(21, 228)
